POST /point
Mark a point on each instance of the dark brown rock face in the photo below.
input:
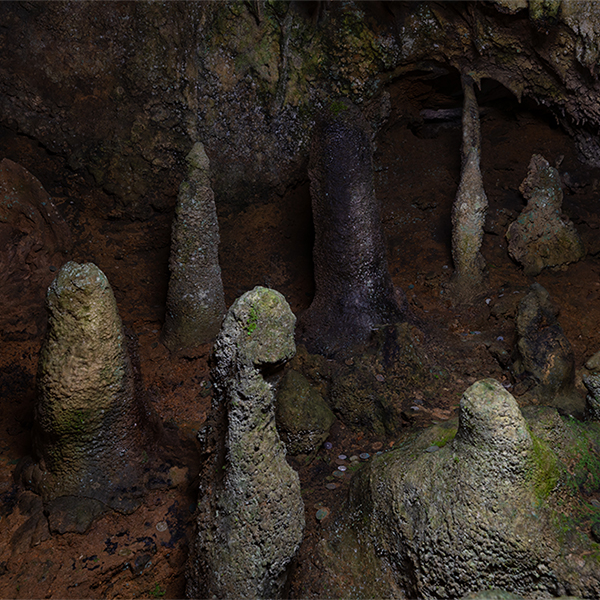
(354, 291)
(33, 238)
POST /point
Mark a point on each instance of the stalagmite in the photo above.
(354, 291)
(89, 430)
(195, 302)
(250, 511)
(470, 206)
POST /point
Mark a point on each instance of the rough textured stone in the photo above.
(544, 353)
(475, 514)
(89, 431)
(33, 238)
(353, 288)
(250, 510)
(542, 236)
(195, 302)
(470, 206)
(302, 414)
(592, 400)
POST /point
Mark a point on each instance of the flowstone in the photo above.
(544, 354)
(195, 301)
(542, 236)
(470, 206)
(250, 516)
(454, 516)
(353, 288)
(90, 424)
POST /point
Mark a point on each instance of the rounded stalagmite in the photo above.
(89, 432)
(250, 512)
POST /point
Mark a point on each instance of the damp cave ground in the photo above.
(417, 169)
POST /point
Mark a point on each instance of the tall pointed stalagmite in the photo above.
(195, 301)
(470, 206)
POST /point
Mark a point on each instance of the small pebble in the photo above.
(161, 526)
(322, 513)
(337, 474)
(331, 486)
(328, 445)
(354, 458)
(342, 457)
(342, 468)
(52, 268)
(415, 408)
(365, 455)
(380, 377)
(377, 446)
(488, 300)
(433, 448)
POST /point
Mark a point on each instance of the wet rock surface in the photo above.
(353, 288)
(250, 512)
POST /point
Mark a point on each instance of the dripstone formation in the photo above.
(470, 206)
(195, 301)
(544, 355)
(89, 433)
(542, 236)
(353, 289)
(250, 510)
(453, 516)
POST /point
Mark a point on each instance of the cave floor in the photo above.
(269, 243)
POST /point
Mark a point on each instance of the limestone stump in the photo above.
(250, 516)
(542, 237)
(544, 355)
(470, 206)
(453, 516)
(353, 289)
(195, 301)
(89, 432)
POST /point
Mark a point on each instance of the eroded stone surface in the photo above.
(353, 288)
(250, 510)
(195, 302)
(472, 515)
(89, 431)
(542, 236)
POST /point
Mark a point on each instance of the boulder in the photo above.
(250, 517)
(542, 237)
(543, 354)
(303, 416)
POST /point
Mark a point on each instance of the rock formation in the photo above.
(470, 206)
(195, 302)
(542, 236)
(89, 431)
(544, 354)
(250, 510)
(474, 513)
(34, 239)
(302, 414)
(354, 291)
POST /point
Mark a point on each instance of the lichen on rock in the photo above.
(250, 516)
(542, 237)
(195, 301)
(477, 513)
